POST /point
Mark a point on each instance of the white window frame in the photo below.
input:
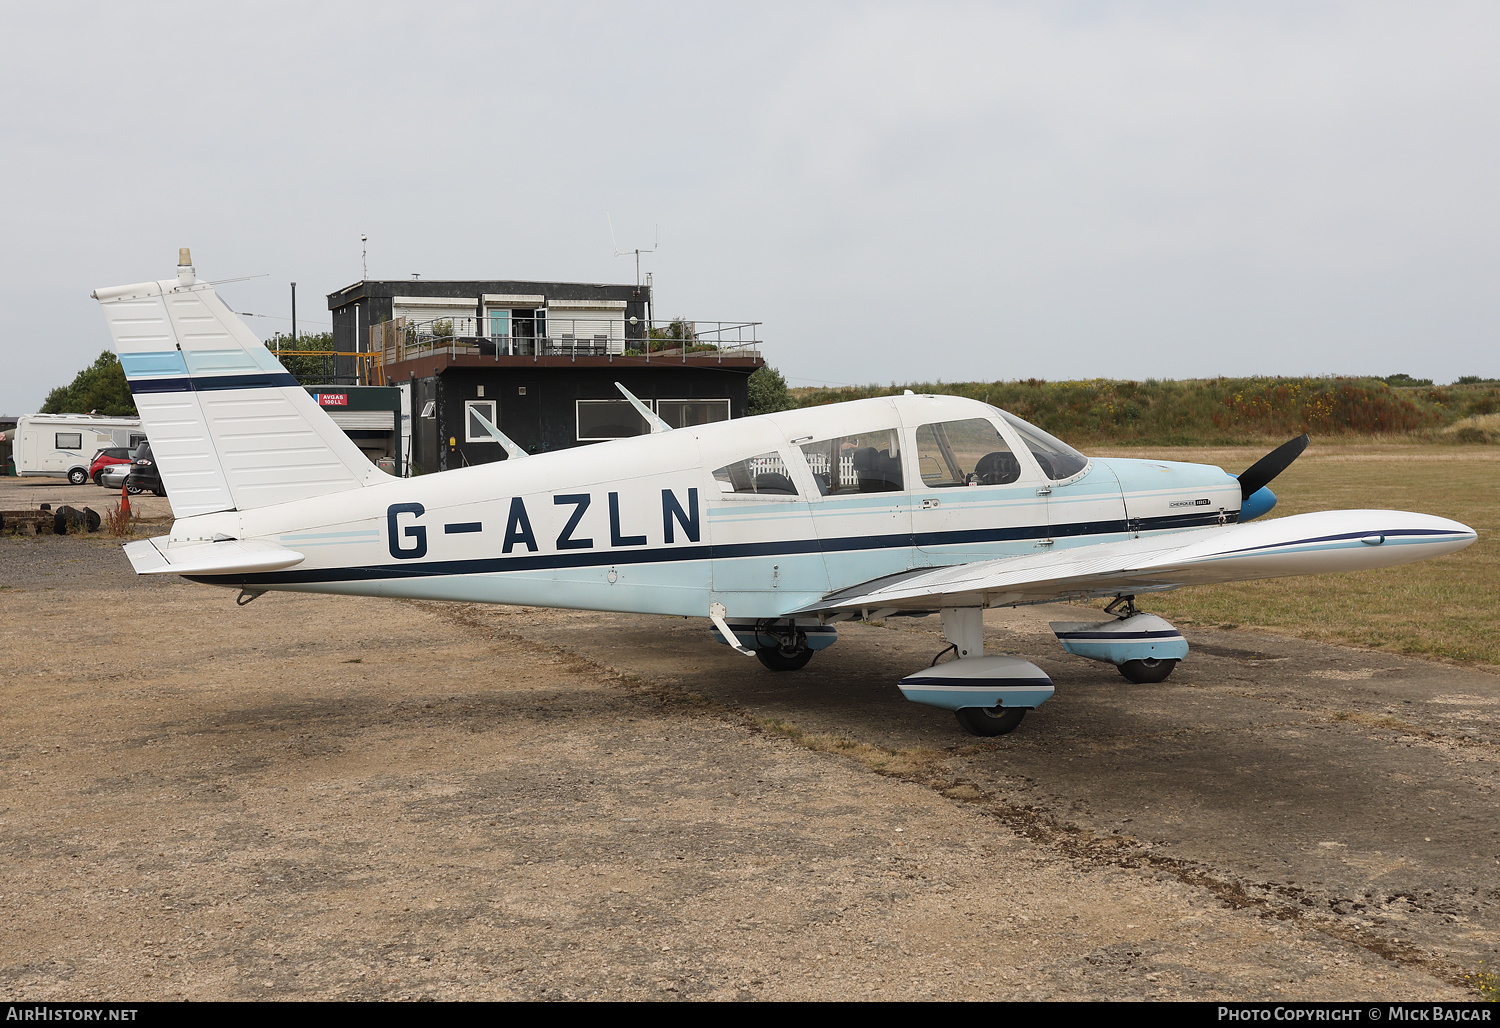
(492, 415)
(728, 406)
(578, 419)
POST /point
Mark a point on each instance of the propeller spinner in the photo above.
(1259, 474)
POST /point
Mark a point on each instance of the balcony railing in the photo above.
(333, 367)
(678, 341)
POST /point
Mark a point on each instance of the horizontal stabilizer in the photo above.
(227, 557)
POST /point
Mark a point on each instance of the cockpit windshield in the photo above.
(1057, 459)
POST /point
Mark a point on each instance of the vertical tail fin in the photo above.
(230, 429)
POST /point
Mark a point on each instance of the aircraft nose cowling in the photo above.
(1257, 503)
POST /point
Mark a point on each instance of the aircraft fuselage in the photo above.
(667, 524)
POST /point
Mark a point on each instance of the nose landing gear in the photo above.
(1144, 647)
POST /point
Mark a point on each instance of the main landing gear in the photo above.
(780, 644)
(990, 720)
(791, 655)
(988, 695)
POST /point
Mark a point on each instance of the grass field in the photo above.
(1442, 608)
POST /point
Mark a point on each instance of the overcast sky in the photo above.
(900, 192)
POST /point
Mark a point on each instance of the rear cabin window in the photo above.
(866, 463)
(69, 440)
(1057, 459)
(761, 475)
(963, 453)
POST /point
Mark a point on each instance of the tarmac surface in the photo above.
(329, 797)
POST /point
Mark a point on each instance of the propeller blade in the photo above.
(1259, 474)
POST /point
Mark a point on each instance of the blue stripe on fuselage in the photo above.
(667, 554)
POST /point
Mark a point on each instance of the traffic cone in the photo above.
(124, 502)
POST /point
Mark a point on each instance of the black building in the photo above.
(537, 359)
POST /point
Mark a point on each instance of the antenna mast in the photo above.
(637, 251)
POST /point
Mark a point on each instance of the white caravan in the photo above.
(773, 528)
(64, 445)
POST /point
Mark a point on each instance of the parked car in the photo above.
(116, 475)
(143, 473)
(104, 458)
(60, 445)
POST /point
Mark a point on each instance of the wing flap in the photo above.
(1346, 540)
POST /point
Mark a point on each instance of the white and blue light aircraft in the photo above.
(774, 528)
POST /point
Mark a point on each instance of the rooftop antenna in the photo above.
(364, 250)
(637, 251)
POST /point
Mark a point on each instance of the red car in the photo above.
(104, 458)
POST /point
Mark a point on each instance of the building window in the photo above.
(686, 413)
(609, 419)
(474, 432)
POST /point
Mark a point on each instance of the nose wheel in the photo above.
(1147, 670)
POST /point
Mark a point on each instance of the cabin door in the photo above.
(975, 500)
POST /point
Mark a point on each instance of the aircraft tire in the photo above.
(1148, 671)
(776, 660)
(990, 720)
(78, 476)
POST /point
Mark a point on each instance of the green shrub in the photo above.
(1207, 411)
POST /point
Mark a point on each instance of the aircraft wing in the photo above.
(1343, 540)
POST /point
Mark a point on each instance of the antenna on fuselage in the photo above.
(511, 449)
(656, 423)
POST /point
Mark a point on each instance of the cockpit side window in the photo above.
(866, 463)
(761, 475)
(1057, 459)
(961, 453)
